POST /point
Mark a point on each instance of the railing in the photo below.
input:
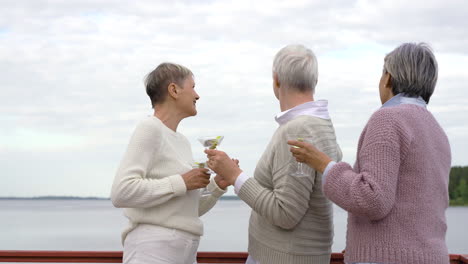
(116, 257)
(105, 256)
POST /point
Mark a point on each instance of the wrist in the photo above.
(218, 182)
(324, 164)
(235, 175)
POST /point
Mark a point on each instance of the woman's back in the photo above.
(416, 194)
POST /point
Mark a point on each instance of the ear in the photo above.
(172, 90)
(388, 81)
(276, 80)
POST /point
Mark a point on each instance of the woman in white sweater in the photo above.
(156, 183)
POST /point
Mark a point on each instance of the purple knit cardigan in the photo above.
(397, 193)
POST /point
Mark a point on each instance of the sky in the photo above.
(71, 76)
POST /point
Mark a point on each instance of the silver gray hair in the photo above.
(296, 68)
(158, 80)
(413, 70)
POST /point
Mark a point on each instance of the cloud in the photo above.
(72, 75)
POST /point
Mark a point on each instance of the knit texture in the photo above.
(397, 193)
(149, 185)
(291, 220)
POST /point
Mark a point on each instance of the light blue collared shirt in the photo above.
(404, 99)
(396, 100)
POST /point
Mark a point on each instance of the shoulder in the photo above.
(182, 138)
(383, 113)
(306, 125)
(150, 123)
(148, 128)
(310, 127)
(390, 124)
(385, 116)
(399, 116)
(306, 121)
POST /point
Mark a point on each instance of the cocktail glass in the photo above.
(302, 169)
(209, 142)
(204, 191)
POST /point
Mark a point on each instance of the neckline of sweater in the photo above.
(170, 131)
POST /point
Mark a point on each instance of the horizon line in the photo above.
(71, 197)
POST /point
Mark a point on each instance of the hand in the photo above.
(310, 155)
(196, 178)
(224, 166)
(221, 182)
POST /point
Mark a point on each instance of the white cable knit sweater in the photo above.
(149, 185)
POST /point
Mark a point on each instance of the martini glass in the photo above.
(302, 170)
(209, 142)
(204, 191)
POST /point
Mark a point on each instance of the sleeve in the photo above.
(241, 179)
(370, 188)
(286, 203)
(207, 202)
(131, 188)
(327, 169)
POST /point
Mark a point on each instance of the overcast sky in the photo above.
(71, 76)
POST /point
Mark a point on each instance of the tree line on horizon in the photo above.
(458, 185)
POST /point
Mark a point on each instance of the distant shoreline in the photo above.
(92, 198)
(53, 198)
(227, 197)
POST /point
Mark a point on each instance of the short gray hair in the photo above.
(413, 70)
(296, 67)
(158, 80)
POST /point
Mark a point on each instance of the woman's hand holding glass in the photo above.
(307, 153)
(209, 142)
(223, 165)
(196, 178)
(301, 169)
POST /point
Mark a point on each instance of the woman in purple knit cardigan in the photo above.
(397, 192)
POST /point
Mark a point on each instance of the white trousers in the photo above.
(151, 244)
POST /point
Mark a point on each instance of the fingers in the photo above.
(210, 164)
(205, 171)
(294, 150)
(296, 143)
(299, 159)
(201, 184)
(297, 151)
(196, 178)
(201, 171)
(203, 178)
(215, 154)
(212, 152)
(217, 159)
